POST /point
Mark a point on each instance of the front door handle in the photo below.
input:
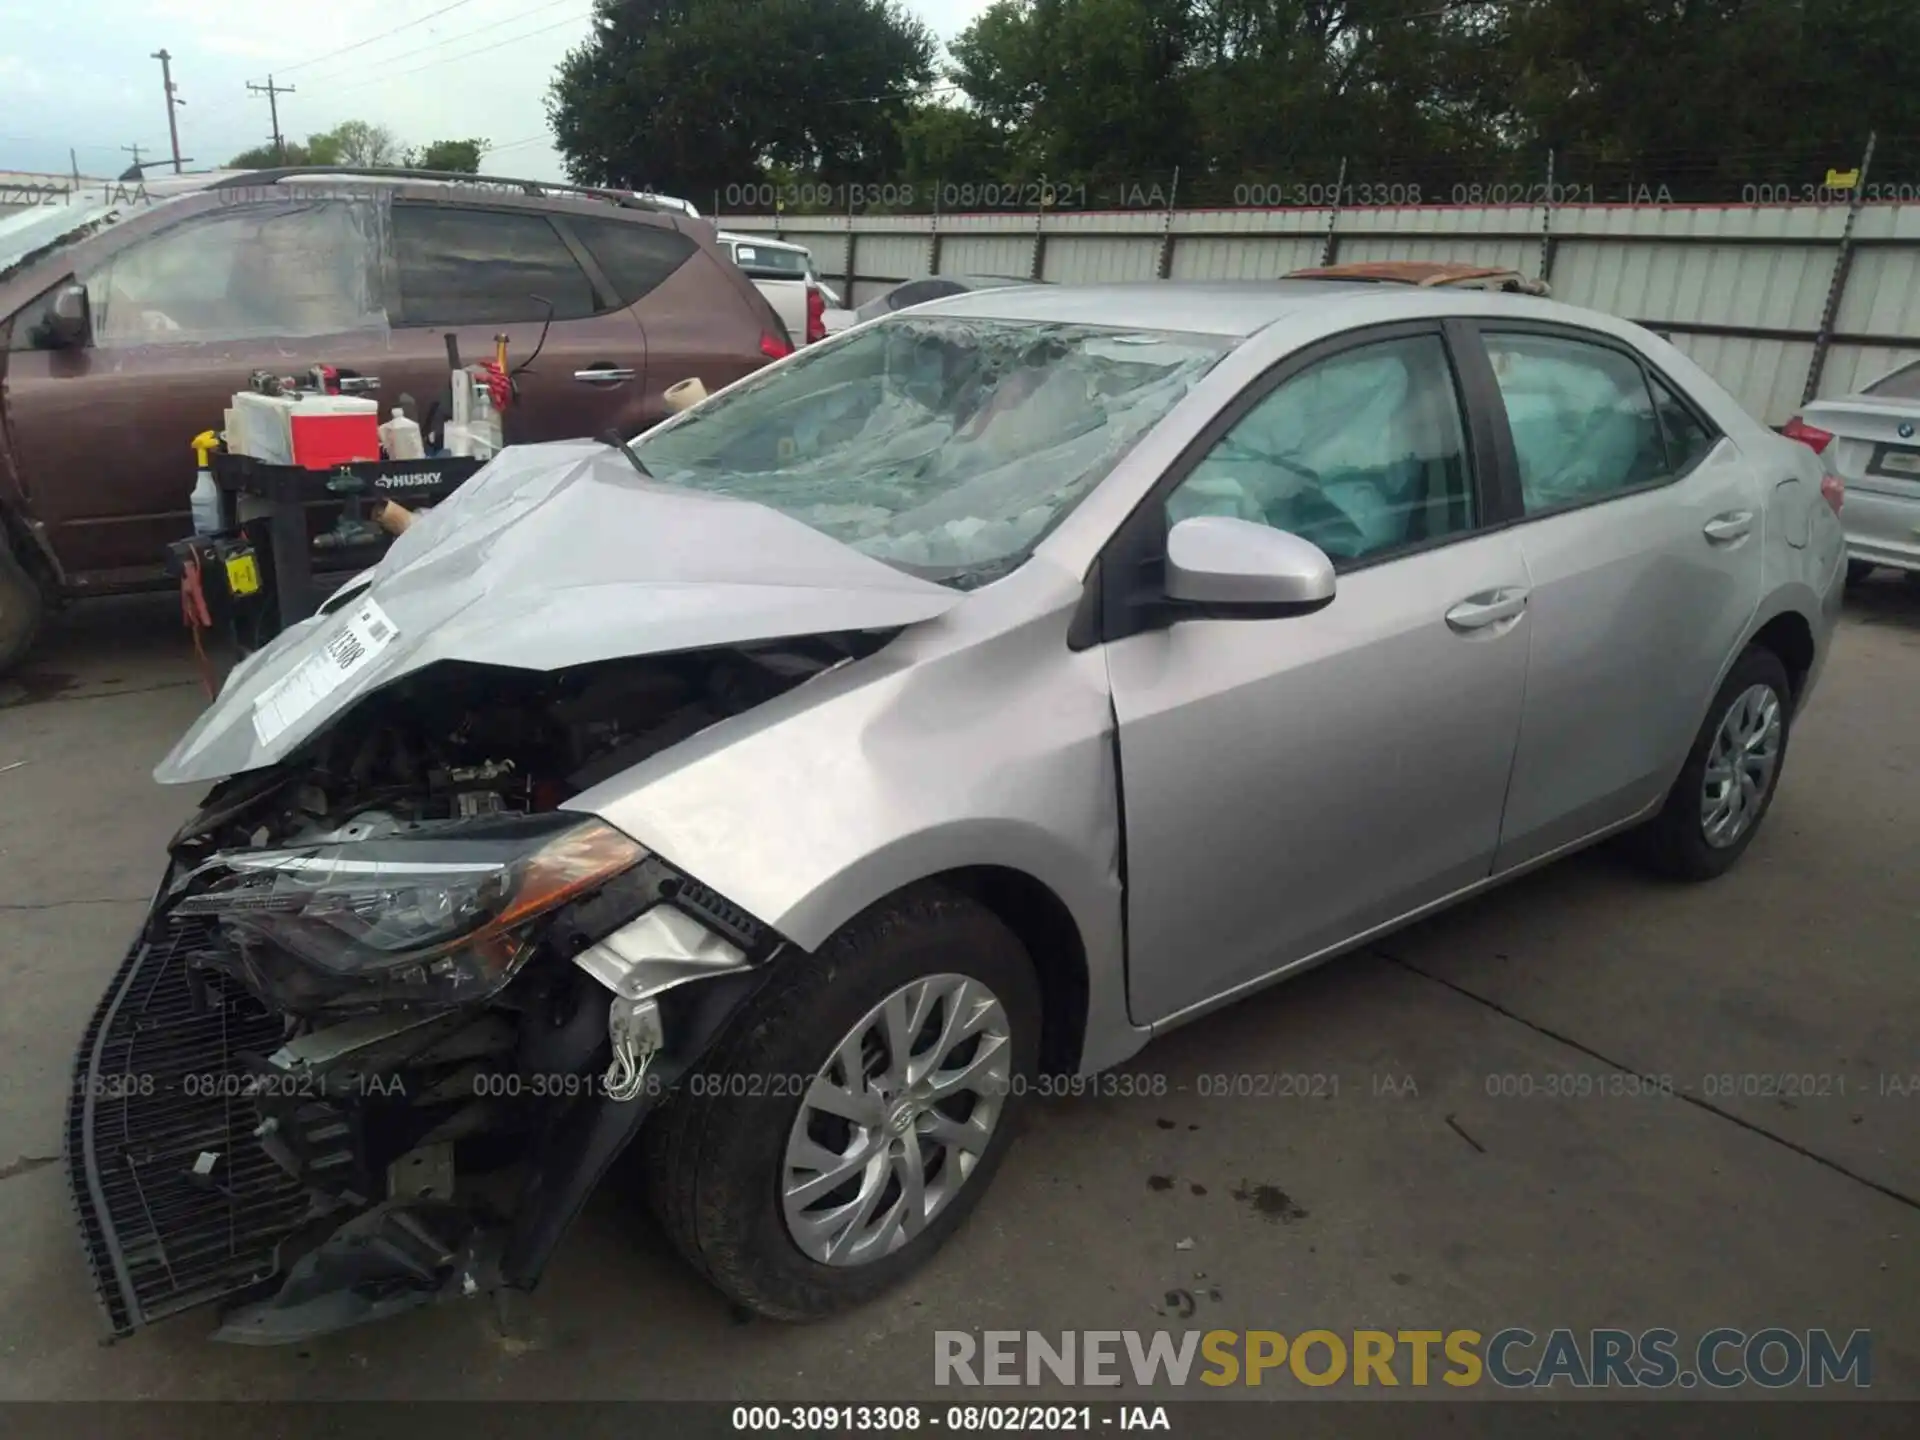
(1727, 528)
(603, 375)
(1489, 607)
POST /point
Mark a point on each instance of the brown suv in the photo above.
(127, 320)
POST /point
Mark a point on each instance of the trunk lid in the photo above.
(1869, 449)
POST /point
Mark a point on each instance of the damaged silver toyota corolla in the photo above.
(755, 791)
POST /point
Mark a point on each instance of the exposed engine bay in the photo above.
(393, 1013)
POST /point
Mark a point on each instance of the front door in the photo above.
(181, 317)
(1290, 784)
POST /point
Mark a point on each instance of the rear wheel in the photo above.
(22, 606)
(1728, 782)
(854, 1113)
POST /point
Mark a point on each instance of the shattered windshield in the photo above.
(945, 446)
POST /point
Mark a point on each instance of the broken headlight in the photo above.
(438, 915)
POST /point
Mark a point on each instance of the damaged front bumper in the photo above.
(315, 1174)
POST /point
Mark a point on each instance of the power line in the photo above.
(362, 44)
(463, 55)
(456, 39)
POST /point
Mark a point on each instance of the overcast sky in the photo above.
(77, 75)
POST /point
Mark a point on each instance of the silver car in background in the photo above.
(968, 698)
(1872, 443)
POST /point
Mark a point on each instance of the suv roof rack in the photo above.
(628, 199)
(1428, 274)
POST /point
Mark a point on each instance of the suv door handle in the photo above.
(1725, 529)
(603, 375)
(1489, 607)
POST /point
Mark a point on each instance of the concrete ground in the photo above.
(1428, 1192)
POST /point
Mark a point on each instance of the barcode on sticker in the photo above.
(345, 650)
(378, 630)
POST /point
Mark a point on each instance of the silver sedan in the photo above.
(963, 701)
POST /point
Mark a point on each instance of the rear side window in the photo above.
(485, 267)
(1582, 420)
(764, 262)
(1688, 437)
(633, 255)
(1902, 384)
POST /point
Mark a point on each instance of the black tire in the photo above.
(1857, 572)
(713, 1158)
(23, 605)
(1674, 843)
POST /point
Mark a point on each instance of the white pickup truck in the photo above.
(785, 274)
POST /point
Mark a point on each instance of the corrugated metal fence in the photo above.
(1778, 302)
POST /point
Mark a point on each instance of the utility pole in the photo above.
(173, 100)
(272, 92)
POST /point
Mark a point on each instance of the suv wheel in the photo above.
(854, 1112)
(22, 605)
(1728, 783)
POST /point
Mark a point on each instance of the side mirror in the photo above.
(69, 319)
(1235, 565)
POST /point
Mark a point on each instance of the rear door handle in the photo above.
(603, 375)
(1489, 607)
(1725, 529)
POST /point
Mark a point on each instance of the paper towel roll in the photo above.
(687, 392)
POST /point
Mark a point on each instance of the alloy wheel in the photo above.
(896, 1120)
(1741, 765)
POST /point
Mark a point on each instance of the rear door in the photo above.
(701, 321)
(477, 272)
(1641, 527)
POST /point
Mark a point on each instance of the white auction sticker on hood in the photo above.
(361, 635)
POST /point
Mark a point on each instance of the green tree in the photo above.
(693, 96)
(462, 156)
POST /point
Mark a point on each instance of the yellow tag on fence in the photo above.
(243, 574)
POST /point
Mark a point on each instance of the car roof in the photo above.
(1240, 309)
(1197, 307)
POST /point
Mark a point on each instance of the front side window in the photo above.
(254, 272)
(1362, 454)
(1583, 423)
(945, 446)
(485, 267)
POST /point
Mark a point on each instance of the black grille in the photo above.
(159, 1062)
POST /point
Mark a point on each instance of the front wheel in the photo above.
(1730, 776)
(854, 1113)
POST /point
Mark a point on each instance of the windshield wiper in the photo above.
(612, 437)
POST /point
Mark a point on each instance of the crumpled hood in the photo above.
(552, 556)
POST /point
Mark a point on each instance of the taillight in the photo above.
(816, 314)
(1833, 490)
(773, 347)
(1811, 436)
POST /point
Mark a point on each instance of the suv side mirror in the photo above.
(69, 319)
(1235, 566)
